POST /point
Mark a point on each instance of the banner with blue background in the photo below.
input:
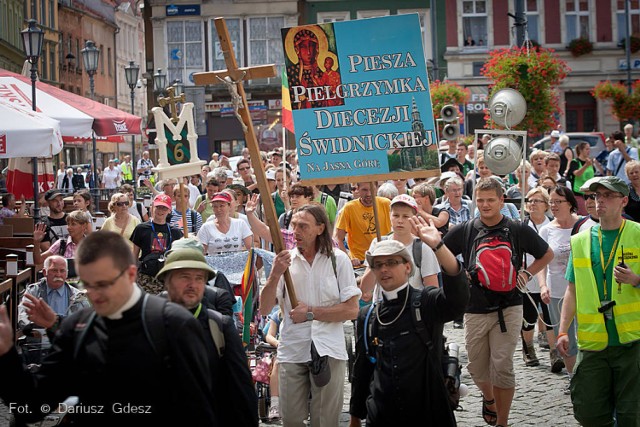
(360, 98)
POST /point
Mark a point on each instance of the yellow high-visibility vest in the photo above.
(127, 172)
(592, 332)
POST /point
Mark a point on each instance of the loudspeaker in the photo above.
(451, 131)
(502, 155)
(449, 113)
(507, 108)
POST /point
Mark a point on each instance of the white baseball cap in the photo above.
(405, 199)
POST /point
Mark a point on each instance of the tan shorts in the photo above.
(490, 350)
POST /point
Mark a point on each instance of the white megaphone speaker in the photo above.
(502, 155)
(449, 113)
(507, 108)
(451, 131)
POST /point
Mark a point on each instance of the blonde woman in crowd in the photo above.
(121, 221)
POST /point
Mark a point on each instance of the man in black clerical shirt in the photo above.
(104, 355)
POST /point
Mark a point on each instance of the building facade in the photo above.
(130, 47)
(12, 13)
(184, 41)
(80, 21)
(475, 27)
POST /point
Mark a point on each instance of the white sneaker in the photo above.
(274, 413)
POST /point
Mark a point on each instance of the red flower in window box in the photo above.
(581, 46)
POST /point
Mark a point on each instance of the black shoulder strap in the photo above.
(139, 207)
(63, 247)
(335, 269)
(193, 221)
(515, 232)
(417, 254)
(80, 331)
(416, 317)
(578, 224)
(287, 218)
(467, 228)
(154, 326)
(622, 161)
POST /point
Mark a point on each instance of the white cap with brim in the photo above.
(446, 175)
(585, 187)
(388, 248)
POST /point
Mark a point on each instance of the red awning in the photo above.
(60, 104)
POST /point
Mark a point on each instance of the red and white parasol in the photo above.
(26, 133)
(77, 115)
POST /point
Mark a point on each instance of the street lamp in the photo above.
(131, 73)
(32, 38)
(90, 55)
(178, 87)
(159, 81)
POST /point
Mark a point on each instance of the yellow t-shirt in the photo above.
(110, 225)
(358, 221)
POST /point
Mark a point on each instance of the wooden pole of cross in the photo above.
(233, 77)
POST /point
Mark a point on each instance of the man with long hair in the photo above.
(312, 343)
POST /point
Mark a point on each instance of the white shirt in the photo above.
(240, 216)
(559, 241)
(587, 224)
(532, 285)
(391, 295)
(110, 177)
(60, 177)
(230, 241)
(194, 192)
(316, 286)
(429, 265)
(133, 210)
(616, 162)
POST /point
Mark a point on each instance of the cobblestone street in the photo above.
(539, 400)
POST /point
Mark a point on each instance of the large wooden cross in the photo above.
(235, 75)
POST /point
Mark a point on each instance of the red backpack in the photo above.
(493, 261)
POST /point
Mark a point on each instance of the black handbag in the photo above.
(152, 263)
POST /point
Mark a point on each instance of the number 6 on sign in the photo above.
(177, 150)
(178, 154)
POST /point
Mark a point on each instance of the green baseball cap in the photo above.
(612, 183)
(183, 258)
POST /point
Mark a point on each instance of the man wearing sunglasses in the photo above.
(592, 218)
(397, 377)
(132, 359)
(604, 295)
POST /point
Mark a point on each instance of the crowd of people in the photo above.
(500, 256)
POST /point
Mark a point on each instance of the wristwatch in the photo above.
(309, 316)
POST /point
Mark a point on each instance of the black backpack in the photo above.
(451, 367)
(154, 326)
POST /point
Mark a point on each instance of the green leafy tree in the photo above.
(624, 106)
(446, 93)
(535, 73)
